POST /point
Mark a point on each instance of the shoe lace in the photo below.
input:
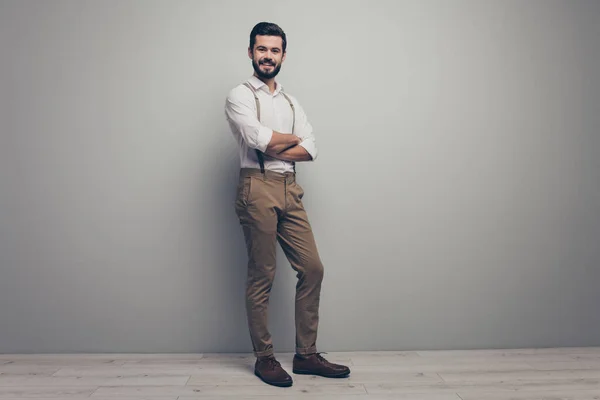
(272, 363)
(321, 359)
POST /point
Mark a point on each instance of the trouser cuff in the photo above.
(263, 353)
(306, 350)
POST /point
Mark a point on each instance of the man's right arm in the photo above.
(281, 142)
(240, 110)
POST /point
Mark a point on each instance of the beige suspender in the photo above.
(293, 109)
(258, 152)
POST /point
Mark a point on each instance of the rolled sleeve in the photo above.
(240, 111)
(263, 138)
(310, 146)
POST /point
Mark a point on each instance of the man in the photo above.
(273, 133)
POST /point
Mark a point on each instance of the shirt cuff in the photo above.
(264, 138)
(310, 147)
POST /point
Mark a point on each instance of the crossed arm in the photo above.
(287, 147)
(240, 111)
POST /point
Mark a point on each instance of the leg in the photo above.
(258, 219)
(296, 238)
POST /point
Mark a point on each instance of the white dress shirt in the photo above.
(275, 115)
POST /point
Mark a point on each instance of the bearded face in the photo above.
(267, 56)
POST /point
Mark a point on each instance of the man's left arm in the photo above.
(307, 149)
(295, 153)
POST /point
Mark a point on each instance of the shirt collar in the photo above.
(260, 85)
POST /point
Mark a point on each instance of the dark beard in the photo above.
(265, 75)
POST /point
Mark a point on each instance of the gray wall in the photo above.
(455, 201)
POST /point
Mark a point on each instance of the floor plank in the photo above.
(488, 374)
(232, 390)
(519, 376)
(543, 395)
(49, 392)
(72, 381)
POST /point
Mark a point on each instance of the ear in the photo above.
(283, 57)
(249, 52)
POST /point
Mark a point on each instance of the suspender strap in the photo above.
(293, 120)
(259, 154)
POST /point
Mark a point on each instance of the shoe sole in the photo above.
(278, 384)
(339, 375)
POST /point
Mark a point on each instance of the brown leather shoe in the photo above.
(270, 371)
(315, 364)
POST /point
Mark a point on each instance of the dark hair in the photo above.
(267, 29)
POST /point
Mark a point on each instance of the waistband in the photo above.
(268, 174)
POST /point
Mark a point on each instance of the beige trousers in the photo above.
(269, 207)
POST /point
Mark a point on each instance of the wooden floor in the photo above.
(524, 374)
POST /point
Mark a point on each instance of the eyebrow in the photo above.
(263, 46)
